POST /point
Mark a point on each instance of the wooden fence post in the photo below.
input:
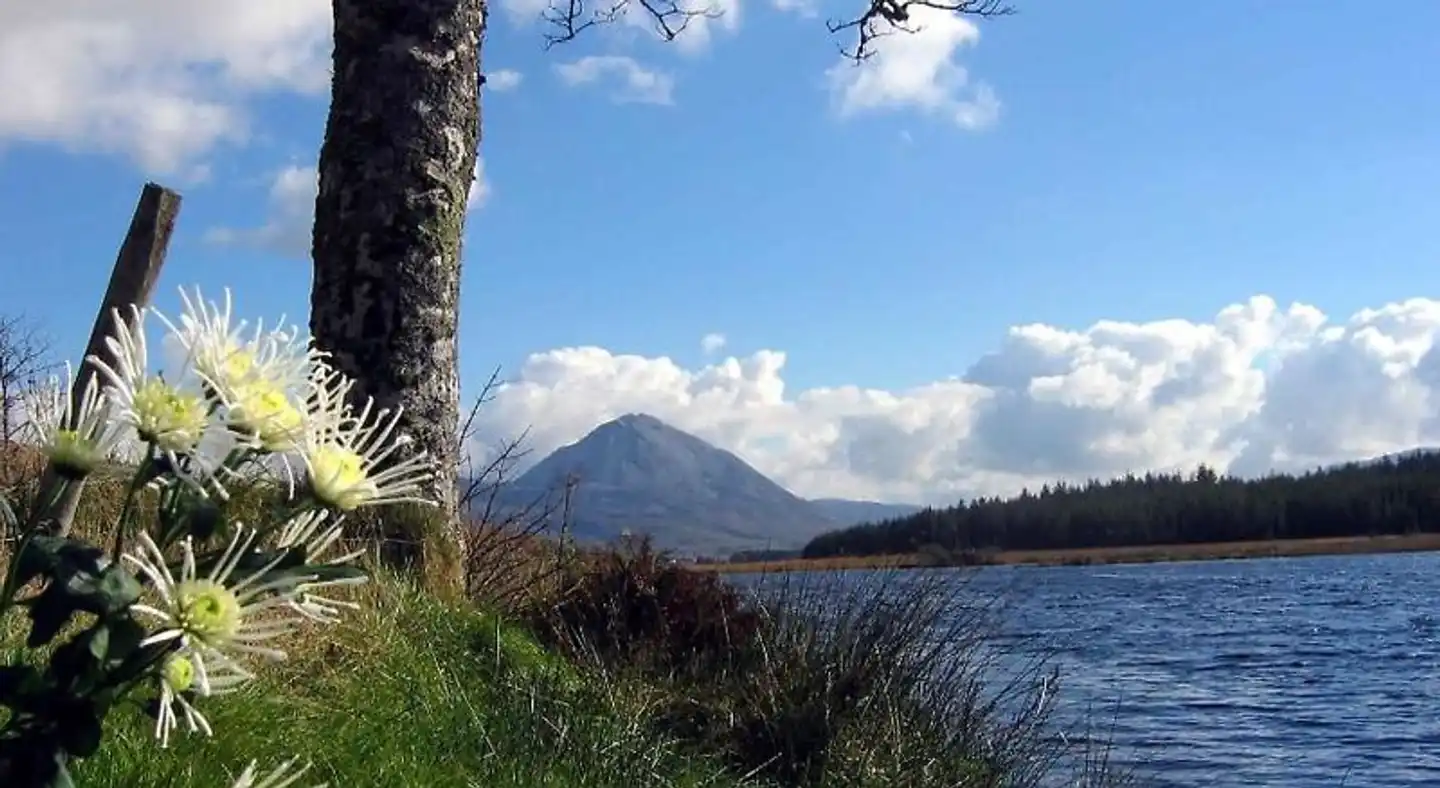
(137, 268)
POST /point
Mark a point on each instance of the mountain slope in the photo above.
(638, 474)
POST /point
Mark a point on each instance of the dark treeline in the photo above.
(1396, 495)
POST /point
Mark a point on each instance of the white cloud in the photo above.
(503, 79)
(1258, 387)
(802, 8)
(158, 81)
(918, 70)
(290, 212)
(480, 189)
(633, 82)
(712, 343)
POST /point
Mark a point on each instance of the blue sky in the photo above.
(1149, 161)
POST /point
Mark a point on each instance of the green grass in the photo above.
(410, 691)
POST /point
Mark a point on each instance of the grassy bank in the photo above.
(1275, 548)
(411, 691)
(629, 672)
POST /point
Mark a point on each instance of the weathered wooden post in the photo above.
(137, 268)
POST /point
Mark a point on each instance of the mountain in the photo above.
(638, 474)
(845, 513)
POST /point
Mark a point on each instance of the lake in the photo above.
(1280, 672)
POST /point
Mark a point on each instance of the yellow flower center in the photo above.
(338, 478)
(178, 674)
(208, 611)
(237, 365)
(74, 457)
(167, 417)
(262, 409)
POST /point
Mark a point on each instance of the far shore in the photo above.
(1139, 554)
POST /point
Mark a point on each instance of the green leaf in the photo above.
(33, 760)
(79, 728)
(124, 637)
(140, 662)
(18, 683)
(40, 556)
(105, 593)
(49, 613)
(81, 578)
(88, 576)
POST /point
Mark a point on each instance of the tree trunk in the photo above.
(395, 171)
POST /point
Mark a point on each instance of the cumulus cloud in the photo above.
(918, 70)
(630, 82)
(1257, 388)
(290, 209)
(158, 81)
(712, 343)
(503, 79)
(290, 212)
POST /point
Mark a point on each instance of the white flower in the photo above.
(264, 416)
(258, 380)
(218, 617)
(170, 418)
(345, 453)
(281, 777)
(224, 358)
(74, 433)
(312, 532)
(180, 674)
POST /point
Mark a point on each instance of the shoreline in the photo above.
(1091, 556)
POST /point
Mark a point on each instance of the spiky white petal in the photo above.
(171, 418)
(74, 432)
(348, 455)
(282, 776)
(316, 533)
(219, 618)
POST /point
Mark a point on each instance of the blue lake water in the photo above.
(1281, 672)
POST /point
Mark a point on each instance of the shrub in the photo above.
(635, 609)
(850, 679)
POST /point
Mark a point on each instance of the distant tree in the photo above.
(1395, 496)
(26, 357)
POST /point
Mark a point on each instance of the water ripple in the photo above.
(1286, 672)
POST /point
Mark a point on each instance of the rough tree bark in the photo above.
(395, 171)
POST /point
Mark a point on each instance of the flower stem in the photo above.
(127, 513)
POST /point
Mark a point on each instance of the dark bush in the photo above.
(632, 608)
(851, 679)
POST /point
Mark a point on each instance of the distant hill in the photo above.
(846, 513)
(638, 474)
(1394, 456)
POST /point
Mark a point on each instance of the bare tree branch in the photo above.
(570, 18)
(26, 358)
(883, 17)
(507, 558)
